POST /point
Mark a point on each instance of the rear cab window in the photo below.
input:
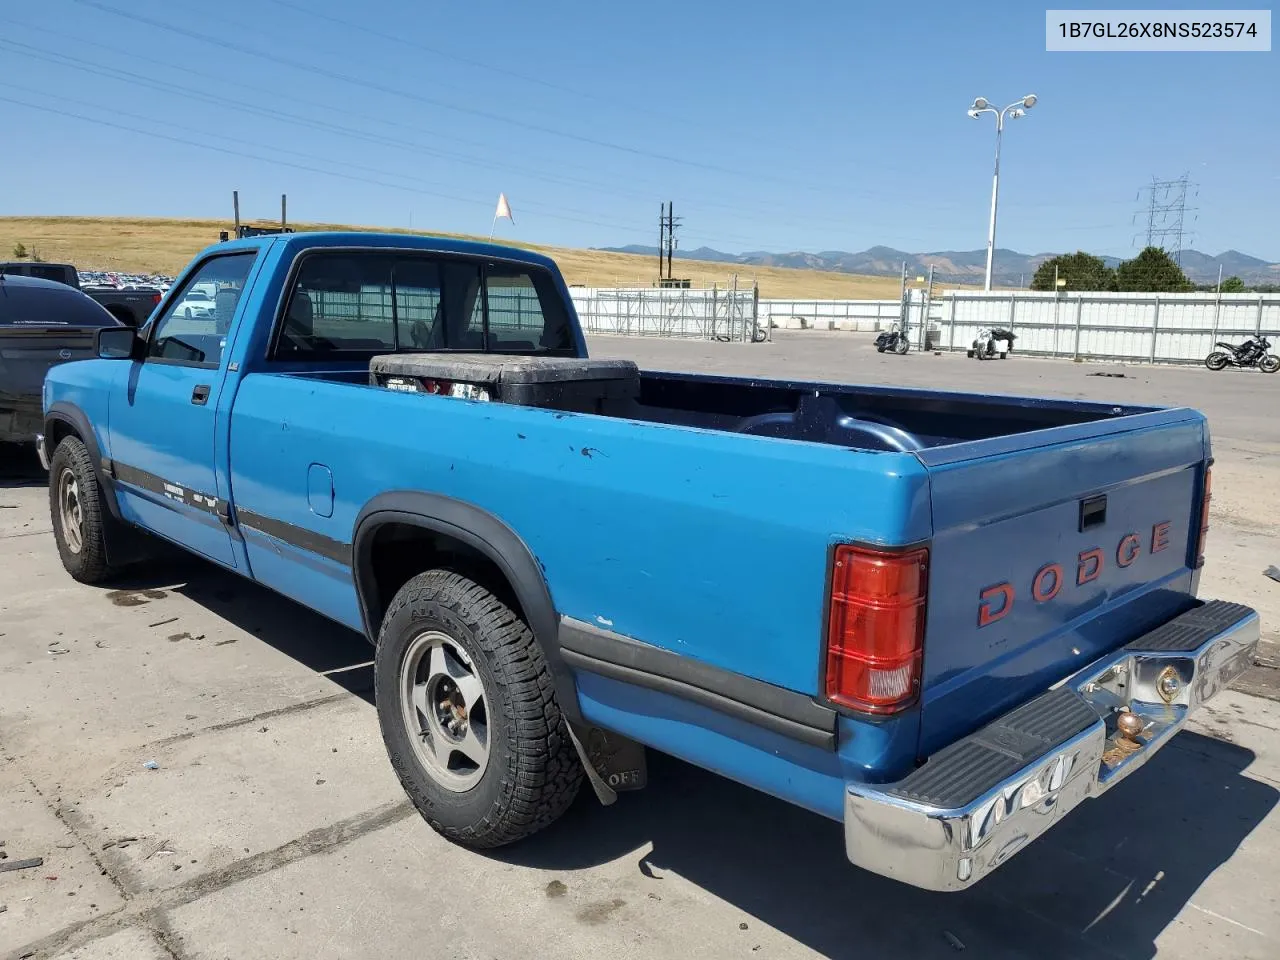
(359, 304)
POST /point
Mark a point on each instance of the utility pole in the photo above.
(662, 235)
(235, 204)
(284, 208)
(671, 234)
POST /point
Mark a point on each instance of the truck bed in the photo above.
(857, 416)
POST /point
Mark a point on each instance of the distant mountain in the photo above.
(961, 266)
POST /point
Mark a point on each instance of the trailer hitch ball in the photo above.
(1130, 725)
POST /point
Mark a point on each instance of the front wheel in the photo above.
(75, 507)
(1269, 363)
(902, 346)
(469, 713)
(1216, 360)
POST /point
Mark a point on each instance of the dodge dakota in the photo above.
(943, 620)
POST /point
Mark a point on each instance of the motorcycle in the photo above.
(894, 341)
(1251, 353)
(984, 345)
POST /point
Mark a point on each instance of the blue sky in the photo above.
(774, 126)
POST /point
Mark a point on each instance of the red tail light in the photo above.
(1204, 516)
(875, 639)
(155, 299)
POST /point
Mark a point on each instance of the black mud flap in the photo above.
(613, 763)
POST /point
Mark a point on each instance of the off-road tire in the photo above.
(533, 772)
(89, 563)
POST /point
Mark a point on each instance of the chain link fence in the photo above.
(704, 314)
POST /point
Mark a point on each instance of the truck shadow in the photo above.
(317, 643)
(19, 467)
(1108, 881)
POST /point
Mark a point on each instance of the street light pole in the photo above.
(995, 198)
(1014, 110)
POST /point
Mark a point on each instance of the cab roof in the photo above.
(294, 243)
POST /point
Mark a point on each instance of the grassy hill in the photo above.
(165, 246)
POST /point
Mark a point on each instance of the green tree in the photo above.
(1232, 285)
(19, 251)
(1082, 271)
(1152, 271)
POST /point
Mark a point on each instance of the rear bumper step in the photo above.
(976, 803)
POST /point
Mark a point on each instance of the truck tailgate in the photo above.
(1050, 550)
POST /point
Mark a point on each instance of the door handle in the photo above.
(200, 395)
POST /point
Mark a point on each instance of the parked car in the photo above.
(980, 612)
(42, 323)
(196, 303)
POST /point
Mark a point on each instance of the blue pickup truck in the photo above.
(941, 619)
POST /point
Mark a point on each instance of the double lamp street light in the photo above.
(1014, 110)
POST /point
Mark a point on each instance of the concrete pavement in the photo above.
(272, 825)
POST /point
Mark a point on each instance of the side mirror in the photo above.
(118, 343)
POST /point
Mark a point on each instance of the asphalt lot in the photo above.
(272, 825)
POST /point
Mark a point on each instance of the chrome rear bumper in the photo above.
(975, 804)
(41, 451)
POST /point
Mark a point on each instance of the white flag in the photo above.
(504, 209)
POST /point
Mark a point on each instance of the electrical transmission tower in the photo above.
(1166, 214)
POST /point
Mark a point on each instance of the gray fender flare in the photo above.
(489, 536)
(74, 417)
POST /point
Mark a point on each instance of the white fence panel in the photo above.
(1171, 328)
(1180, 327)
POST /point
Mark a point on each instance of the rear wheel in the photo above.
(1216, 360)
(75, 507)
(469, 714)
(1269, 364)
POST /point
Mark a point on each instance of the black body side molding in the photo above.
(487, 535)
(795, 715)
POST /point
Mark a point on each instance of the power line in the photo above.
(284, 163)
(126, 76)
(168, 86)
(277, 59)
(457, 58)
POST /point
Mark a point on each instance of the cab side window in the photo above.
(193, 328)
